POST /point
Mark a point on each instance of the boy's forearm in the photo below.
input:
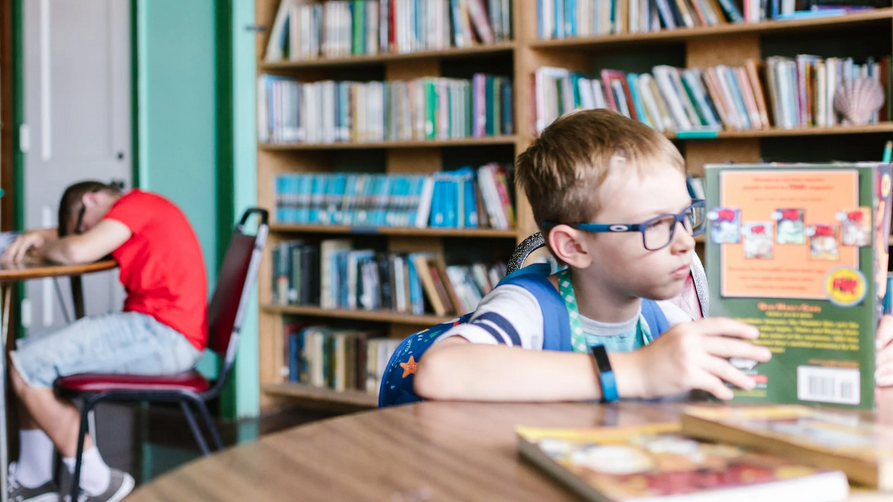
(59, 251)
(458, 370)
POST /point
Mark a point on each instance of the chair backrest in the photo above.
(235, 282)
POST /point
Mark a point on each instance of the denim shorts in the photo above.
(124, 342)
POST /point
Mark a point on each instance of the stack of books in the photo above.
(558, 19)
(777, 452)
(338, 29)
(782, 92)
(290, 111)
(336, 358)
(463, 198)
(582, 18)
(335, 275)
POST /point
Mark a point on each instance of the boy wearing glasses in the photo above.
(610, 196)
(162, 329)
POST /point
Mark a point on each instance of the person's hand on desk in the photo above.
(94, 243)
(27, 244)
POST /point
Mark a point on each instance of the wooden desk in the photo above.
(430, 451)
(10, 273)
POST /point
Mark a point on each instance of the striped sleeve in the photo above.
(508, 315)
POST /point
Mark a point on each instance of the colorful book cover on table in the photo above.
(831, 439)
(800, 252)
(655, 462)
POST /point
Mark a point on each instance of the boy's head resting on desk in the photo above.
(83, 205)
(597, 166)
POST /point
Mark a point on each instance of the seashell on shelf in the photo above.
(858, 99)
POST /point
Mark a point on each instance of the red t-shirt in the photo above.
(161, 265)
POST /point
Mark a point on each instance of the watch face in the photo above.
(601, 358)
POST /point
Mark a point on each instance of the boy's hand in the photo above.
(884, 356)
(695, 355)
(29, 242)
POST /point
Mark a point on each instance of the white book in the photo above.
(587, 100)
(662, 75)
(650, 103)
(424, 210)
(275, 43)
(598, 93)
(544, 78)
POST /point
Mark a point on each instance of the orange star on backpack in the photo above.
(409, 367)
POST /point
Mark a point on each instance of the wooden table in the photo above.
(10, 273)
(429, 451)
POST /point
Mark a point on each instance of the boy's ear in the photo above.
(569, 246)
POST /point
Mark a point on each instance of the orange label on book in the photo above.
(792, 239)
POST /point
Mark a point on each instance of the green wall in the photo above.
(196, 141)
(246, 400)
(176, 110)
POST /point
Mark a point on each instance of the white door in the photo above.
(78, 126)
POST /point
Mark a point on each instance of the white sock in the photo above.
(95, 474)
(35, 466)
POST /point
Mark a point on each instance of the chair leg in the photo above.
(193, 425)
(82, 435)
(215, 434)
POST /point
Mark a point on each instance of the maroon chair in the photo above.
(225, 313)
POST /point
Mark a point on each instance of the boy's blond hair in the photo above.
(564, 167)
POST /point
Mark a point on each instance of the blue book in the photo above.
(437, 215)
(294, 352)
(415, 288)
(731, 11)
(316, 195)
(631, 79)
(452, 214)
(570, 18)
(508, 121)
(471, 203)
(539, 19)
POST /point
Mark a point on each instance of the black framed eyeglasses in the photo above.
(658, 232)
(80, 220)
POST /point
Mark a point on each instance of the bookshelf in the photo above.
(730, 44)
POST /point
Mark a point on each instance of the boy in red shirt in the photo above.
(162, 329)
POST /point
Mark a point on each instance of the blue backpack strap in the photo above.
(556, 324)
(654, 316)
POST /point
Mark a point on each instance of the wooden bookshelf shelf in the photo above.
(455, 52)
(701, 47)
(876, 16)
(884, 127)
(320, 397)
(359, 315)
(404, 231)
(490, 140)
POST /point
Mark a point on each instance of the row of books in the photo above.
(335, 275)
(558, 19)
(336, 358)
(290, 111)
(337, 29)
(789, 93)
(463, 198)
(581, 18)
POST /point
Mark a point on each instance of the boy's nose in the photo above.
(683, 241)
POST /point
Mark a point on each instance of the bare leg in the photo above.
(41, 409)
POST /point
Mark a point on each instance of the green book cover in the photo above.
(800, 252)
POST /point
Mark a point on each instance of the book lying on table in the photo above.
(825, 439)
(800, 252)
(655, 463)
